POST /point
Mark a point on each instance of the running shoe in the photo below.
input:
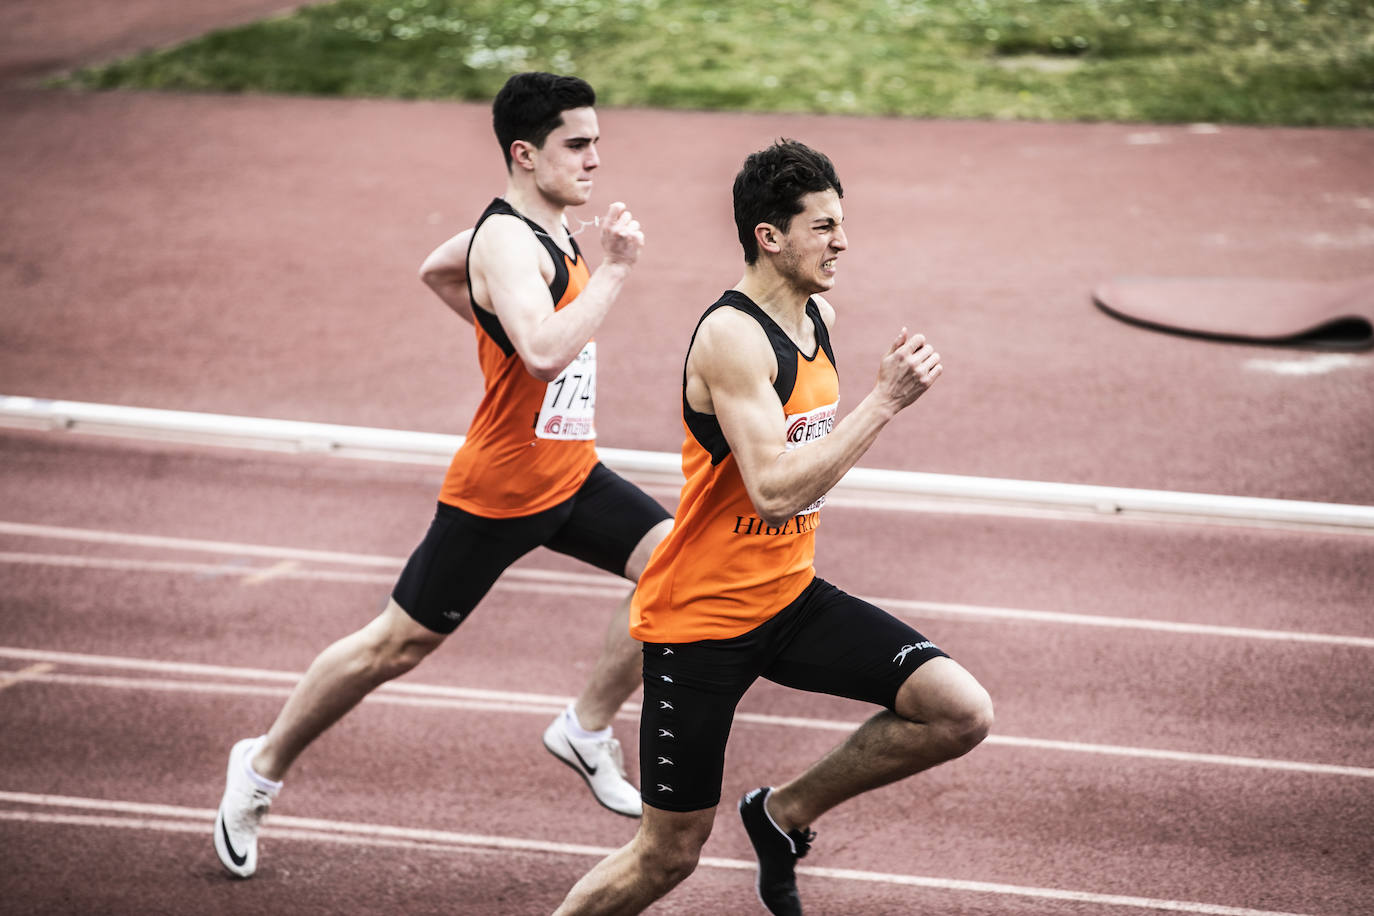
(601, 763)
(777, 853)
(241, 811)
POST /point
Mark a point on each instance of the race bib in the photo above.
(808, 427)
(570, 400)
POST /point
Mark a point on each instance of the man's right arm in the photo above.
(507, 262)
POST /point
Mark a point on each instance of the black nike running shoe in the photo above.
(777, 853)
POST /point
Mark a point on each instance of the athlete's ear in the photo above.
(768, 237)
(522, 154)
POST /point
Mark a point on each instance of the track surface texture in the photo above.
(1184, 708)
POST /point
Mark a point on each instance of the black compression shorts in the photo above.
(463, 554)
(825, 641)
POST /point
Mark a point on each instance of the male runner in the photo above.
(731, 595)
(526, 475)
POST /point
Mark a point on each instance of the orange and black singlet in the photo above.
(722, 571)
(531, 444)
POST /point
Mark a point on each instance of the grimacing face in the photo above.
(813, 242)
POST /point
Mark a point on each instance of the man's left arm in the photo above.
(781, 482)
(446, 272)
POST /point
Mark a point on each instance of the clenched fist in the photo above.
(910, 367)
(621, 235)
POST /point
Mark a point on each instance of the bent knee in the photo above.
(670, 845)
(396, 643)
(969, 724)
(669, 868)
(398, 658)
(950, 702)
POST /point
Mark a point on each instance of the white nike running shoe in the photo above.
(241, 811)
(601, 763)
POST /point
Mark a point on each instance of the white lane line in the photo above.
(1316, 364)
(94, 536)
(512, 580)
(440, 697)
(177, 819)
(10, 678)
(1080, 747)
(1146, 753)
(568, 582)
(257, 690)
(275, 571)
(926, 608)
(287, 677)
(276, 833)
(1042, 893)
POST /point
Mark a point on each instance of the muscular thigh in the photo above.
(459, 559)
(843, 646)
(690, 694)
(609, 518)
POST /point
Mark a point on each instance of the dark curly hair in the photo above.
(771, 184)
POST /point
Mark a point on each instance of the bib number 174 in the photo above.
(569, 408)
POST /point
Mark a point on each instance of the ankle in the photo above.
(577, 725)
(781, 814)
(262, 767)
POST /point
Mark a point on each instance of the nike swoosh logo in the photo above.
(229, 845)
(591, 770)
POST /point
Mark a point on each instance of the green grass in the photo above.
(1296, 62)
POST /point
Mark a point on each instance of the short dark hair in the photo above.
(530, 105)
(771, 184)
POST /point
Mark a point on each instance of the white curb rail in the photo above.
(438, 448)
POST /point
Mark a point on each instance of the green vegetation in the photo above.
(1298, 62)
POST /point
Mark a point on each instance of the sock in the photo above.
(575, 729)
(262, 782)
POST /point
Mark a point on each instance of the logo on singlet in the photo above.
(798, 524)
(804, 428)
(807, 427)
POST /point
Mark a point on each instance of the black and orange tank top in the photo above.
(722, 571)
(531, 444)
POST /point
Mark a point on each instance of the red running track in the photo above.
(1192, 727)
(1239, 770)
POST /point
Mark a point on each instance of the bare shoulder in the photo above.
(504, 240)
(827, 311)
(508, 265)
(730, 355)
(728, 337)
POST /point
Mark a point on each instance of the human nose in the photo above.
(839, 241)
(593, 159)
